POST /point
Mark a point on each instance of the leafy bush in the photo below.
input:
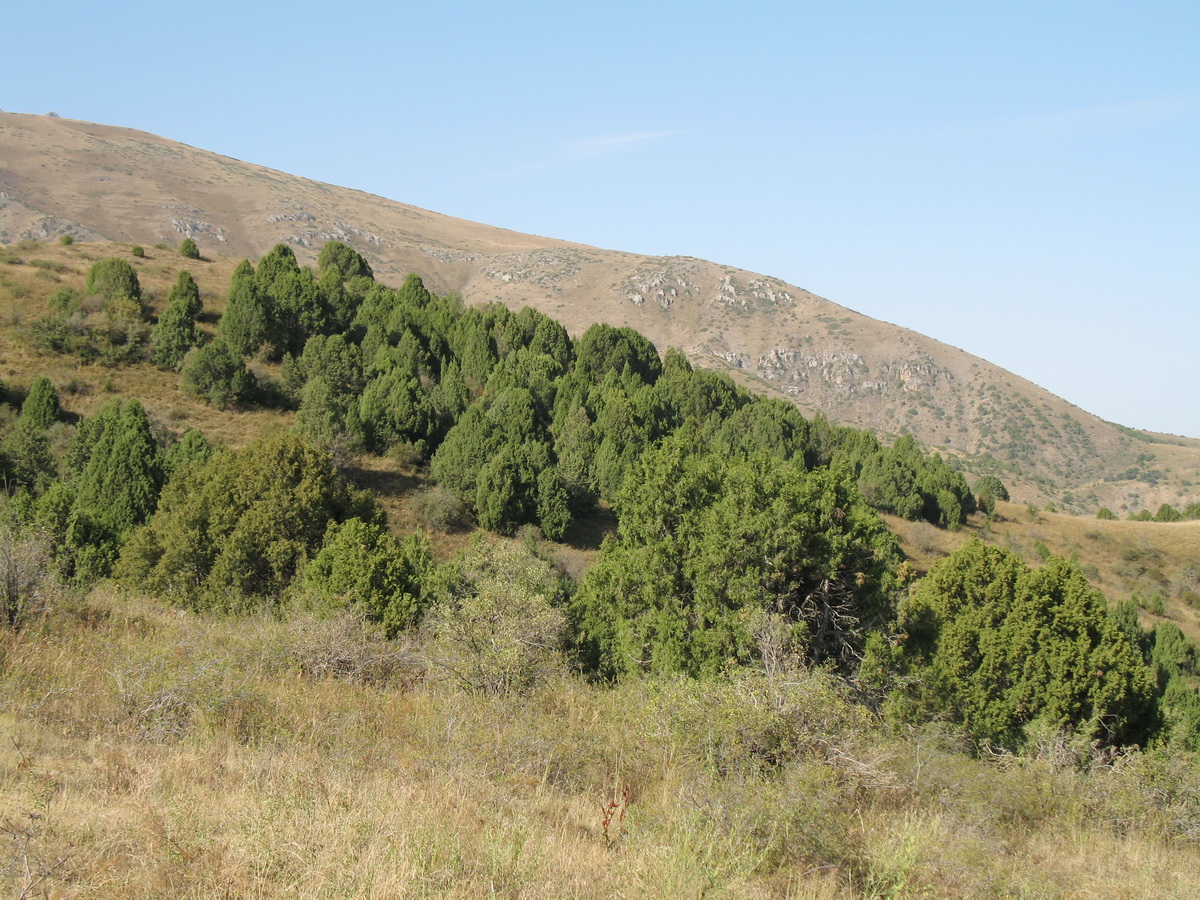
(439, 510)
(25, 574)
(41, 408)
(1168, 513)
(497, 629)
(993, 486)
(217, 373)
(114, 279)
(362, 564)
(188, 249)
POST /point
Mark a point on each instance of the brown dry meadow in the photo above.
(151, 752)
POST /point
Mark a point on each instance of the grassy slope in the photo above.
(163, 753)
(1123, 557)
(154, 753)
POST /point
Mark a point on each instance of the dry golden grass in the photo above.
(148, 752)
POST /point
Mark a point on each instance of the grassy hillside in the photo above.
(289, 751)
(149, 753)
(95, 181)
(1121, 558)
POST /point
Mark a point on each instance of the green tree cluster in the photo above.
(110, 485)
(709, 545)
(903, 480)
(25, 456)
(242, 524)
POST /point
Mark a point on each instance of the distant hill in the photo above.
(97, 182)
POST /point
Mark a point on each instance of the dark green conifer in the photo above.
(177, 332)
(41, 407)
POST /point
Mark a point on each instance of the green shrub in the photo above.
(242, 524)
(1168, 513)
(176, 332)
(25, 574)
(217, 373)
(993, 645)
(41, 407)
(138, 251)
(363, 565)
(439, 510)
(497, 628)
(114, 279)
(188, 249)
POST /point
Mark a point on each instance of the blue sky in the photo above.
(1021, 180)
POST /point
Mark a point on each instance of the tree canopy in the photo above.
(709, 545)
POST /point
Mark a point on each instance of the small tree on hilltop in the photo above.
(188, 249)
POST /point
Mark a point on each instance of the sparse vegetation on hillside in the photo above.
(749, 553)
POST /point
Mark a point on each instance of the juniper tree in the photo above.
(242, 524)
(41, 407)
(176, 332)
(248, 320)
(995, 646)
(114, 279)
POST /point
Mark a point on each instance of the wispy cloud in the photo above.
(610, 144)
(1113, 117)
